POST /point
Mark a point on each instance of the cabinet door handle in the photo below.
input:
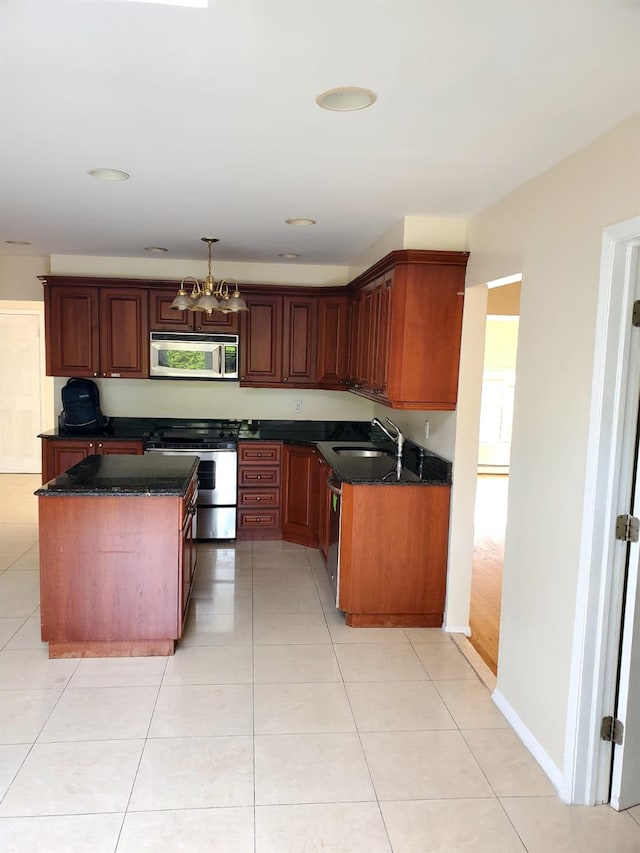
(100, 444)
(90, 444)
(285, 378)
(95, 373)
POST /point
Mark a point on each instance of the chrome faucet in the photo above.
(397, 439)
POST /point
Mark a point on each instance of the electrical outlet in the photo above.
(297, 407)
(426, 429)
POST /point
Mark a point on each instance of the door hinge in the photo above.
(635, 314)
(627, 528)
(611, 730)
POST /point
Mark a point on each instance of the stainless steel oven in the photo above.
(217, 474)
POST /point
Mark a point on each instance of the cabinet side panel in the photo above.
(393, 549)
(432, 327)
(109, 568)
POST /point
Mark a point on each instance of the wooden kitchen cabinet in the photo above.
(278, 341)
(301, 478)
(332, 342)
(324, 509)
(58, 455)
(163, 319)
(405, 329)
(259, 479)
(393, 554)
(94, 605)
(96, 331)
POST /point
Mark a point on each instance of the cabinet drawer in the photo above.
(259, 453)
(259, 476)
(258, 498)
(250, 519)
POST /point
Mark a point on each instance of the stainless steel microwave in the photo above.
(180, 355)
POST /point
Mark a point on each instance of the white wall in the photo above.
(192, 399)
(551, 230)
(19, 277)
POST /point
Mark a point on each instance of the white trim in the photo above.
(585, 762)
(507, 279)
(533, 745)
(452, 629)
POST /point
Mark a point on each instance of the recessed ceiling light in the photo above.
(346, 99)
(300, 221)
(18, 242)
(288, 255)
(108, 174)
(155, 249)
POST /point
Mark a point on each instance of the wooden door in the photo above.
(72, 330)
(20, 378)
(332, 341)
(162, 318)
(261, 341)
(382, 297)
(300, 498)
(59, 456)
(124, 333)
(300, 340)
(120, 448)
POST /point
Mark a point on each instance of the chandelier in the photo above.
(209, 296)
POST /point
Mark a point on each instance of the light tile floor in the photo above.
(273, 729)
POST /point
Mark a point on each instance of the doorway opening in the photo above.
(490, 515)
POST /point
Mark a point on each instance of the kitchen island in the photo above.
(117, 558)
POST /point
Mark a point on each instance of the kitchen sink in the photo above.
(364, 452)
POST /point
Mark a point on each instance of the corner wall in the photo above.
(551, 231)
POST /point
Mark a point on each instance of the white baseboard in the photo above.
(533, 745)
(453, 629)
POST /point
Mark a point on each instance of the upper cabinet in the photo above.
(96, 331)
(278, 341)
(332, 341)
(162, 318)
(404, 329)
(392, 335)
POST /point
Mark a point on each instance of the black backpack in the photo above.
(81, 407)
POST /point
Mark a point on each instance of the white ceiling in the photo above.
(212, 112)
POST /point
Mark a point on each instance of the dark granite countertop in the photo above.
(419, 466)
(300, 432)
(153, 475)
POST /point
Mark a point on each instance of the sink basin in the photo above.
(363, 452)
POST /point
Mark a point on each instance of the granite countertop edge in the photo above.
(420, 466)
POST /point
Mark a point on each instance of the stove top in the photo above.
(197, 434)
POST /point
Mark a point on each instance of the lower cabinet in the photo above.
(301, 476)
(259, 478)
(93, 605)
(393, 554)
(58, 455)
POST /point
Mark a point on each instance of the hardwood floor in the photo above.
(488, 558)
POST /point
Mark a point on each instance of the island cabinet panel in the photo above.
(162, 318)
(332, 342)
(376, 585)
(301, 494)
(58, 455)
(259, 482)
(111, 574)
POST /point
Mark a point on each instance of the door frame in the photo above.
(587, 759)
